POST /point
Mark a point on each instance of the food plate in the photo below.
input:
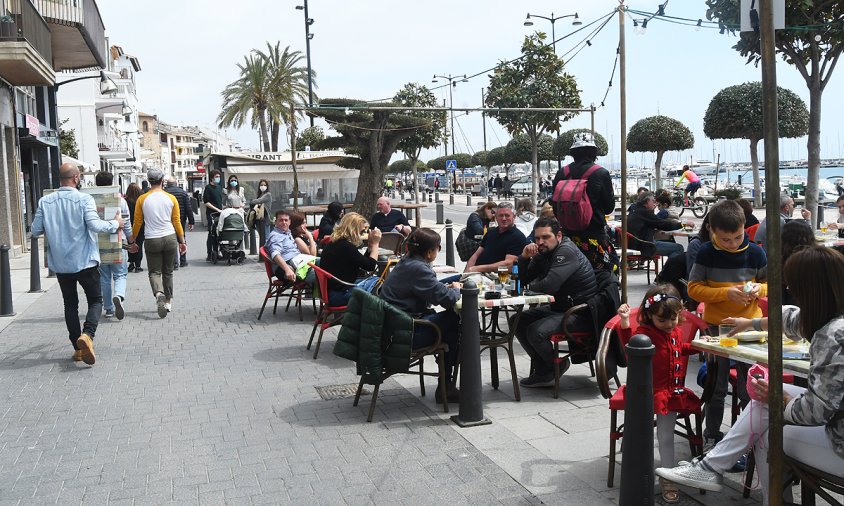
(751, 336)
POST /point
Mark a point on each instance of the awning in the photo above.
(85, 168)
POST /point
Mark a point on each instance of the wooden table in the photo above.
(753, 352)
(417, 213)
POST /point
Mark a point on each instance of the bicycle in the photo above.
(698, 205)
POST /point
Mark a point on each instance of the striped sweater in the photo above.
(716, 270)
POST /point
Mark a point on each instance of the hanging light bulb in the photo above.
(697, 27)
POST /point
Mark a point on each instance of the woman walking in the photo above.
(133, 192)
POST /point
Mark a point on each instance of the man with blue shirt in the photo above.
(281, 248)
(501, 245)
(70, 221)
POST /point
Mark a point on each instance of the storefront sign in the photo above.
(32, 125)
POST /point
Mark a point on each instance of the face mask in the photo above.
(79, 185)
(263, 188)
(233, 184)
(216, 180)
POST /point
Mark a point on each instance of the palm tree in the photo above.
(288, 85)
(248, 98)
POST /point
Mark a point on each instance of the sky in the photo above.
(368, 49)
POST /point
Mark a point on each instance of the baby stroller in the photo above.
(228, 244)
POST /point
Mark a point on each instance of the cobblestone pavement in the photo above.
(211, 405)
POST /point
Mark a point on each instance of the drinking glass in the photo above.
(724, 329)
(503, 274)
(823, 227)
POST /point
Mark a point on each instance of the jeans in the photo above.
(209, 241)
(668, 249)
(116, 273)
(449, 324)
(160, 253)
(89, 280)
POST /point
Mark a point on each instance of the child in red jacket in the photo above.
(659, 318)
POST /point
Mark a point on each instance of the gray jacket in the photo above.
(824, 397)
(412, 286)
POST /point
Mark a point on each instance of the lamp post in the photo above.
(553, 19)
(107, 86)
(308, 37)
(450, 78)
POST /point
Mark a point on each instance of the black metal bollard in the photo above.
(451, 199)
(253, 247)
(430, 198)
(637, 465)
(469, 200)
(436, 196)
(5, 283)
(440, 213)
(449, 243)
(471, 402)
(34, 267)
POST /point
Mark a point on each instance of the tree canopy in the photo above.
(520, 148)
(500, 156)
(464, 161)
(481, 158)
(736, 113)
(433, 134)
(562, 144)
(403, 166)
(310, 136)
(659, 134)
(812, 43)
(536, 80)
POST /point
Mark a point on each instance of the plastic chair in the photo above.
(328, 315)
(282, 288)
(392, 241)
(751, 232)
(644, 260)
(689, 329)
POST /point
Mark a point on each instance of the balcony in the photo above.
(26, 53)
(78, 39)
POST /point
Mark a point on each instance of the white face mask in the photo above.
(263, 188)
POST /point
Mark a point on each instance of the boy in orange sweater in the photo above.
(726, 277)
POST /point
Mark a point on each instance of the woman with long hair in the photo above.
(133, 191)
(264, 224)
(329, 219)
(301, 235)
(412, 286)
(343, 260)
(233, 187)
(479, 221)
(814, 430)
(796, 234)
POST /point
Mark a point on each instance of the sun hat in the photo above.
(583, 140)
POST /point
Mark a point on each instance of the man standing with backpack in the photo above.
(583, 196)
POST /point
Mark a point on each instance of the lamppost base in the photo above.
(483, 421)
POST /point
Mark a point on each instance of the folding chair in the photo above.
(282, 288)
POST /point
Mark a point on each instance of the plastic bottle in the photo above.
(517, 283)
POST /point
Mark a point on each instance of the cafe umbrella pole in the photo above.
(471, 411)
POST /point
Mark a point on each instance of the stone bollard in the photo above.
(436, 196)
(440, 213)
(5, 283)
(449, 243)
(471, 411)
(637, 464)
(34, 267)
(253, 247)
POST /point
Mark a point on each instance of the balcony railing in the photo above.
(111, 143)
(28, 25)
(81, 14)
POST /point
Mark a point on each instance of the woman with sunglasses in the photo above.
(342, 259)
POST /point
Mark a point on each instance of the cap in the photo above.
(583, 140)
(155, 174)
(234, 200)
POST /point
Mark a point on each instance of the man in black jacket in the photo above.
(642, 223)
(185, 213)
(553, 266)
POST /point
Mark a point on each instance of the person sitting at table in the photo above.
(478, 221)
(389, 220)
(282, 249)
(330, 218)
(786, 213)
(838, 224)
(525, 216)
(301, 235)
(343, 260)
(814, 430)
(796, 235)
(501, 245)
(412, 286)
(553, 266)
(663, 204)
(642, 222)
(750, 219)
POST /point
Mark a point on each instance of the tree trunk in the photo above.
(534, 160)
(293, 158)
(414, 157)
(658, 169)
(757, 185)
(262, 121)
(814, 148)
(274, 133)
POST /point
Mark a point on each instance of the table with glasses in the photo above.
(495, 334)
(829, 238)
(751, 352)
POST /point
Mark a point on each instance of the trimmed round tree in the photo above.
(659, 134)
(563, 143)
(736, 113)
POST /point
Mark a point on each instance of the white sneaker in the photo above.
(692, 475)
(168, 306)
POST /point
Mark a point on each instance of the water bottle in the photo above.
(517, 283)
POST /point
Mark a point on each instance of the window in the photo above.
(145, 126)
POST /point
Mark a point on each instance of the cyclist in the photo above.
(692, 187)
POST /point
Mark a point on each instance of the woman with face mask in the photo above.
(233, 187)
(264, 224)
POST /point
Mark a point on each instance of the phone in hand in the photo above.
(757, 376)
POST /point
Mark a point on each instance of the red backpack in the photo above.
(571, 203)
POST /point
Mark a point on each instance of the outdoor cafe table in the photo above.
(417, 210)
(752, 352)
(493, 336)
(829, 238)
(317, 211)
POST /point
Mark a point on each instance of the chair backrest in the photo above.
(315, 232)
(322, 281)
(763, 305)
(392, 241)
(268, 263)
(751, 231)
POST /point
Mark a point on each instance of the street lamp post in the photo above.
(553, 19)
(308, 37)
(450, 78)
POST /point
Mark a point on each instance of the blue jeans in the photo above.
(449, 324)
(668, 249)
(116, 273)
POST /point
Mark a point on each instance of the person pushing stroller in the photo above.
(231, 228)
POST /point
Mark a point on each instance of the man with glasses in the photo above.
(501, 245)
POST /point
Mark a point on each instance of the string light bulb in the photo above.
(697, 26)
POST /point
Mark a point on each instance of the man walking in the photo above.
(165, 238)
(185, 213)
(115, 273)
(213, 199)
(71, 223)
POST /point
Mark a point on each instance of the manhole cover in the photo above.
(330, 392)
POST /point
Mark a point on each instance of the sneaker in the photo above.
(139, 269)
(692, 475)
(118, 307)
(109, 313)
(168, 306)
(86, 349)
(740, 465)
(535, 381)
(162, 309)
(77, 356)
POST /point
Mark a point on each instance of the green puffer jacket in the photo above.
(376, 336)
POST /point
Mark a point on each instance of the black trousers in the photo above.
(89, 280)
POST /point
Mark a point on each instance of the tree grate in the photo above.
(331, 392)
